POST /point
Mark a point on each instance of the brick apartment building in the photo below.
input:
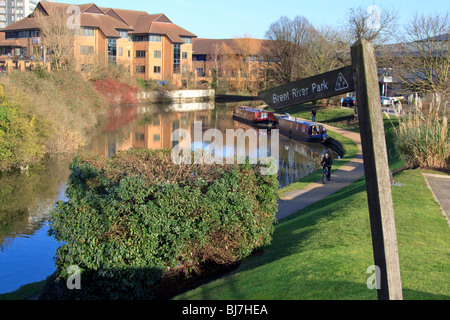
(149, 45)
(240, 62)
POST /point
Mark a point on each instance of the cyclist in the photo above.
(327, 162)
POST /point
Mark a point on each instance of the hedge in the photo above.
(136, 218)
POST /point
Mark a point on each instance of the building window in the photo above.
(187, 40)
(199, 57)
(112, 50)
(200, 72)
(139, 136)
(140, 53)
(147, 38)
(123, 34)
(21, 34)
(176, 58)
(156, 69)
(157, 54)
(184, 55)
(140, 69)
(140, 38)
(154, 38)
(86, 50)
(84, 31)
(156, 137)
(120, 52)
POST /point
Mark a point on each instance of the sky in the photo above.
(237, 18)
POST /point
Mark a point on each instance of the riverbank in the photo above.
(44, 113)
(322, 251)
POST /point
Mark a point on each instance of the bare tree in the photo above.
(56, 37)
(375, 24)
(240, 56)
(422, 61)
(325, 51)
(216, 59)
(287, 48)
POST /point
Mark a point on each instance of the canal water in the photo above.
(27, 252)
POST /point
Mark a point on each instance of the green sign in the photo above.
(322, 86)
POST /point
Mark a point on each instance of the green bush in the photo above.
(137, 218)
(21, 138)
(147, 85)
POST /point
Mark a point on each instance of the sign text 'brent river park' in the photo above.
(326, 85)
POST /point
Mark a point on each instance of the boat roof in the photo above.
(250, 109)
(293, 119)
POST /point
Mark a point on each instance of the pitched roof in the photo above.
(251, 46)
(109, 20)
(91, 16)
(144, 23)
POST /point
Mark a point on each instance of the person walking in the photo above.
(313, 112)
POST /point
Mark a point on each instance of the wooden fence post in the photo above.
(376, 167)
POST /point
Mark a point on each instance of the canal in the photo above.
(26, 250)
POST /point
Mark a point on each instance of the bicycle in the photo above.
(326, 174)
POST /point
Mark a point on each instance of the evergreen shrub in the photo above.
(137, 218)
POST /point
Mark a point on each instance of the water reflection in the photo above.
(151, 127)
(26, 251)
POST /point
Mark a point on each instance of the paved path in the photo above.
(296, 200)
(440, 186)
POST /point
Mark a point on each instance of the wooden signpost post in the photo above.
(361, 77)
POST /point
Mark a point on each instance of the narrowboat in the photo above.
(253, 116)
(302, 129)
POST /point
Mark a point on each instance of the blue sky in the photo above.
(235, 18)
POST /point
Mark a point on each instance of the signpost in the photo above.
(322, 86)
(361, 77)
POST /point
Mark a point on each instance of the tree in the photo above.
(422, 61)
(216, 59)
(57, 38)
(325, 51)
(288, 47)
(373, 24)
(240, 54)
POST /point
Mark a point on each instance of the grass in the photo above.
(331, 115)
(323, 251)
(25, 292)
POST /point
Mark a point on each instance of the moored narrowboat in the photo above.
(302, 129)
(253, 116)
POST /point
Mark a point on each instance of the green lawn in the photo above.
(323, 251)
(26, 292)
(331, 115)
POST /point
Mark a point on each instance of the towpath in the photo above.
(296, 200)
